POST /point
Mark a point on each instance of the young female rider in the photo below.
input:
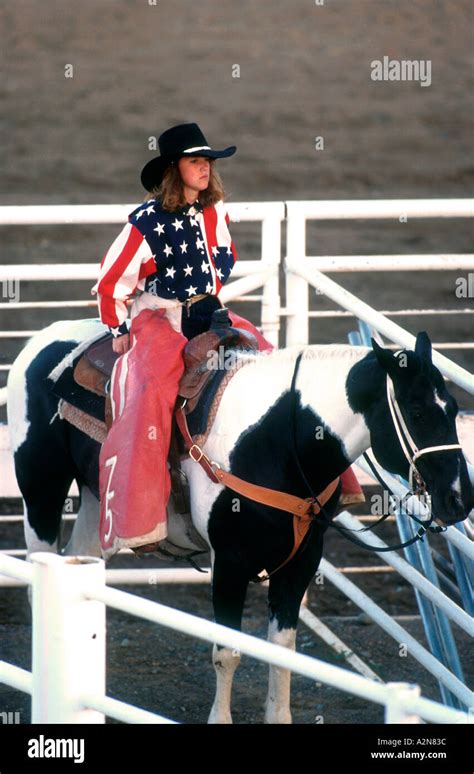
(177, 250)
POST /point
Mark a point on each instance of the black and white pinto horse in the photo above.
(341, 409)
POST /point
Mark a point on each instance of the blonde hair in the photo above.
(171, 190)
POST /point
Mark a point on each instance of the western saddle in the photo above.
(94, 369)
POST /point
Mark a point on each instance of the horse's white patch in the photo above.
(226, 661)
(203, 494)
(64, 330)
(84, 540)
(266, 377)
(284, 637)
(456, 485)
(439, 401)
(277, 705)
(323, 389)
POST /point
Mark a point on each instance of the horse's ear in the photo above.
(386, 359)
(423, 346)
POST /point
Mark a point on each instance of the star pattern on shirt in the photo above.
(161, 229)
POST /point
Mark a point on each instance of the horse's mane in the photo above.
(310, 352)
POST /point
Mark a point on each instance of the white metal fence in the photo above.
(302, 273)
(67, 682)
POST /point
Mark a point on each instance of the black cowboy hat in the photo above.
(181, 140)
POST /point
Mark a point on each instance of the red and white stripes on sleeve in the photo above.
(127, 262)
(171, 245)
(214, 222)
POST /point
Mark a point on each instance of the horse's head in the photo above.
(429, 414)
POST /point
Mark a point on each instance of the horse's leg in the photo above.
(287, 588)
(44, 472)
(229, 588)
(277, 705)
(44, 491)
(84, 540)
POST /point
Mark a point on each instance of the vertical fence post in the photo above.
(68, 638)
(297, 301)
(270, 254)
(400, 693)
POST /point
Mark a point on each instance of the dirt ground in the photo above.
(172, 674)
(304, 73)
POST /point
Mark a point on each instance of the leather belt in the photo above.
(190, 301)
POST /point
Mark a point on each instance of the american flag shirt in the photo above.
(174, 255)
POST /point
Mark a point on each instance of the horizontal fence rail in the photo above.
(56, 214)
(69, 598)
(299, 333)
(346, 209)
(415, 262)
(302, 273)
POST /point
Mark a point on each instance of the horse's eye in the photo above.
(416, 415)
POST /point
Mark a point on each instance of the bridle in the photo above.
(412, 454)
(409, 447)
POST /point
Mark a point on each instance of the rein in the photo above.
(409, 447)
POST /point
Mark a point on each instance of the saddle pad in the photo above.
(198, 418)
(92, 427)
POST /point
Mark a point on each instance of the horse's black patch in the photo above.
(44, 463)
(364, 378)
(252, 536)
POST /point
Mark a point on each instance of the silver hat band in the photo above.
(197, 148)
